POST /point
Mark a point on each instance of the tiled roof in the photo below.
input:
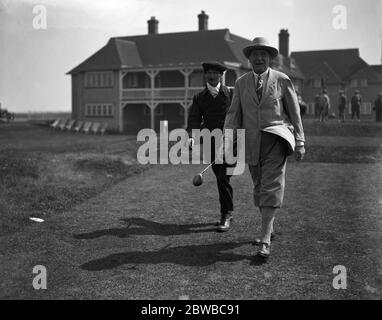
(191, 47)
(344, 62)
(324, 71)
(114, 55)
(168, 49)
(377, 68)
(287, 66)
(367, 73)
(128, 53)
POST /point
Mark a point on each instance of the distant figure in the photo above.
(341, 106)
(302, 104)
(378, 108)
(317, 106)
(356, 102)
(324, 106)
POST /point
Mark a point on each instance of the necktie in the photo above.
(213, 90)
(259, 88)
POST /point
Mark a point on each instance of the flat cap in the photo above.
(214, 65)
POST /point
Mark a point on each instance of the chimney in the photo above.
(153, 25)
(203, 21)
(284, 42)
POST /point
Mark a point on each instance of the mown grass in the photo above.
(156, 239)
(349, 129)
(46, 173)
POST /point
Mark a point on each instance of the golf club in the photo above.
(198, 179)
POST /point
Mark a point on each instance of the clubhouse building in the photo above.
(135, 82)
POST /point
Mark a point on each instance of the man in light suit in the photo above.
(265, 104)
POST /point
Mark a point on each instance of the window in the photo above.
(316, 83)
(353, 83)
(89, 81)
(99, 110)
(169, 79)
(110, 110)
(131, 80)
(363, 83)
(107, 79)
(99, 79)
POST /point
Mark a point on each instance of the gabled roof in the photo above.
(191, 47)
(377, 68)
(344, 62)
(168, 49)
(367, 73)
(324, 71)
(114, 55)
(287, 66)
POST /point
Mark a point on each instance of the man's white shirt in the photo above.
(213, 90)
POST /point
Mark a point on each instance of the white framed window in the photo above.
(102, 79)
(110, 110)
(132, 80)
(95, 79)
(99, 110)
(104, 109)
(89, 81)
(107, 79)
(316, 83)
(353, 83)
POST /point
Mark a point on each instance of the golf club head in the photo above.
(198, 180)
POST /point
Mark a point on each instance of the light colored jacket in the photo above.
(278, 112)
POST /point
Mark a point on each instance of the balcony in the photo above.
(159, 94)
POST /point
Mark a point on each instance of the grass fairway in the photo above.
(45, 172)
(151, 236)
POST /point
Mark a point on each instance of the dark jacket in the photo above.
(356, 101)
(342, 102)
(207, 111)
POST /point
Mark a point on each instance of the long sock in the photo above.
(267, 219)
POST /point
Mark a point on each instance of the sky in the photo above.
(34, 62)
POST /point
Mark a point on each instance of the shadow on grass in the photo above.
(194, 255)
(258, 260)
(139, 226)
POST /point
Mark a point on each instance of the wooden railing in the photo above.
(160, 93)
